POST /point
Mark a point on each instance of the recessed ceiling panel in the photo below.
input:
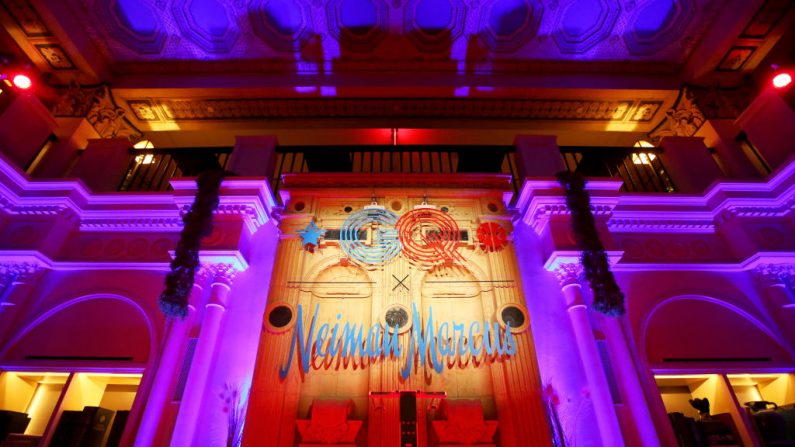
(284, 25)
(402, 34)
(586, 23)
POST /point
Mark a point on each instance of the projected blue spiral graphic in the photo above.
(384, 244)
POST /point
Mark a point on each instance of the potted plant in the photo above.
(702, 405)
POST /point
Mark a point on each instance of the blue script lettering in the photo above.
(423, 343)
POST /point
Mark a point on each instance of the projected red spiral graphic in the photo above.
(429, 235)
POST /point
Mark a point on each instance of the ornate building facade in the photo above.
(393, 256)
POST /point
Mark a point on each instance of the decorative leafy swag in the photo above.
(608, 298)
(198, 224)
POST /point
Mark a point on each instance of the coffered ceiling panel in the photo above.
(398, 31)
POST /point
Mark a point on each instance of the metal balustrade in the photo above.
(640, 168)
(406, 159)
(151, 169)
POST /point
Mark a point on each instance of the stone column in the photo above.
(24, 127)
(689, 163)
(777, 281)
(629, 381)
(185, 426)
(254, 156)
(721, 135)
(15, 287)
(538, 156)
(769, 122)
(103, 163)
(168, 367)
(73, 135)
(569, 277)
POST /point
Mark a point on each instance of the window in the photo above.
(29, 400)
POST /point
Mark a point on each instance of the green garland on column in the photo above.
(198, 224)
(608, 298)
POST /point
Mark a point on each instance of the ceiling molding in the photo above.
(197, 109)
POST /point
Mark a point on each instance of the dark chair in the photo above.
(685, 430)
(772, 424)
(12, 422)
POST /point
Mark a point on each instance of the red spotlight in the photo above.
(23, 82)
(782, 80)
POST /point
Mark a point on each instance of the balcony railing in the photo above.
(407, 159)
(151, 169)
(640, 168)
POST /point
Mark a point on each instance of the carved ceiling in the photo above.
(321, 35)
(607, 66)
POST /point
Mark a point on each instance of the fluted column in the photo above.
(15, 286)
(624, 365)
(223, 275)
(569, 277)
(168, 367)
(777, 282)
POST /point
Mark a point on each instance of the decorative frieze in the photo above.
(655, 225)
(543, 213)
(95, 103)
(141, 224)
(682, 120)
(773, 210)
(697, 104)
(189, 109)
(11, 207)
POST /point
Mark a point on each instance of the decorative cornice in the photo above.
(137, 225)
(660, 225)
(198, 109)
(32, 209)
(249, 213)
(246, 212)
(669, 213)
(773, 210)
(539, 200)
(251, 199)
(128, 212)
(746, 265)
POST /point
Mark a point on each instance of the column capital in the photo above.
(220, 272)
(22, 271)
(222, 266)
(771, 275)
(567, 267)
(200, 276)
(568, 274)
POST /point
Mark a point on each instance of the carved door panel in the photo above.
(336, 296)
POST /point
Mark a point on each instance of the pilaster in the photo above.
(223, 275)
